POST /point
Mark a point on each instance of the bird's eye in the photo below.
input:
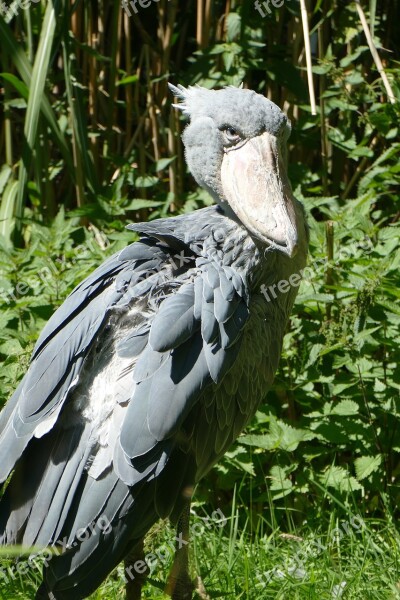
(231, 135)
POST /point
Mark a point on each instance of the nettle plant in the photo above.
(328, 432)
(331, 425)
(35, 280)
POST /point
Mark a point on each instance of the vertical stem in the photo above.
(168, 17)
(200, 23)
(77, 158)
(152, 108)
(93, 91)
(115, 54)
(324, 133)
(207, 28)
(173, 166)
(45, 185)
(374, 53)
(7, 114)
(307, 47)
(29, 37)
(128, 88)
(329, 248)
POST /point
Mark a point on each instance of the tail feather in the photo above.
(11, 448)
(55, 493)
(31, 505)
(125, 518)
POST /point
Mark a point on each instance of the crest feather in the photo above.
(193, 95)
(185, 95)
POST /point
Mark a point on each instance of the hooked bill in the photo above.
(255, 184)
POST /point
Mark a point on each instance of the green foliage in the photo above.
(343, 556)
(89, 142)
(339, 377)
(35, 280)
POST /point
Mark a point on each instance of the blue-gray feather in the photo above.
(176, 330)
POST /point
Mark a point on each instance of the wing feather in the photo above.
(184, 343)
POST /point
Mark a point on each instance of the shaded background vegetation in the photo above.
(89, 142)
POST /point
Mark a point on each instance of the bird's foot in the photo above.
(180, 587)
(135, 575)
(201, 590)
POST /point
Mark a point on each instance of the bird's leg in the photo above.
(136, 572)
(180, 586)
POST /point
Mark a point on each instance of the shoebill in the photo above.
(156, 362)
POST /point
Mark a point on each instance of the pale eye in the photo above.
(231, 135)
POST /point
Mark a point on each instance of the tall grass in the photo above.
(342, 557)
(84, 89)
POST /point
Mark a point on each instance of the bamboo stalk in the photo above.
(220, 27)
(374, 53)
(200, 23)
(324, 128)
(168, 31)
(152, 109)
(172, 167)
(115, 58)
(141, 116)
(207, 29)
(46, 186)
(92, 91)
(76, 154)
(307, 46)
(128, 88)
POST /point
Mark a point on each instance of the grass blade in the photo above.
(39, 74)
(24, 69)
(7, 211)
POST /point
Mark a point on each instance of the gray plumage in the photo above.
(155, 363)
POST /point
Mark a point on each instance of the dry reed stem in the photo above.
(304, 18)
(374, 53)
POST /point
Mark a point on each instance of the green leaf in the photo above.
(146, 181)
(139, 203)
(128, 79)
(340, 479)
(281, 435)
(345, 408)
(36, 91)
(19, 85)
(24, 68)
(365, 465)
(280, 482)
(379, 386)
(233, 26)
(259, 441)
(163, 163)
(314, 354)
(7, 211)
(5, 174)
